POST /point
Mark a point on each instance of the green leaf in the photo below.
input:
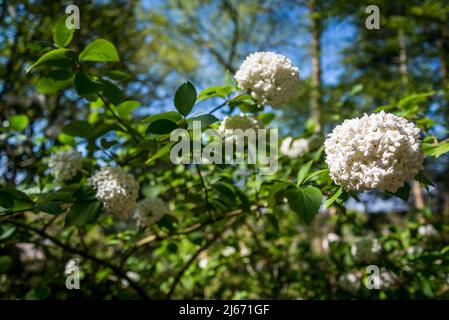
(5, 264)
(423, 178)
(225, 189)
(303, 172)
(77, 128)
(414, 99)
(427, 288)
(49, 207)
(205, 119)
(60, 195)
(6, 200)
(318, 174)
(168, 221)
(39, 293)
(185, 98)
(61, 35)
(267, 117)
(40, 45)
(161, 126)
(334, 198)
(274, 191)
(54, 81)
(100, 50)
(161, 152)
(6, 231)
(85, 85)
(441, 149)
(82, 213)
(125, 108)
(85, 193)
(112, 92)
(54, 56)
(117, 75)
(305, 202)
(18, 122)
(170, 115)
(218, 91)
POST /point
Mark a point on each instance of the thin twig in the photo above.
(226, 102)
(189, 262)
(136, 135)
(203, 184)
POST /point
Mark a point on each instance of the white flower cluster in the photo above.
(415, 250)
(64, 165)
(328, 239)
(350, 282)
(239, 121)
(377, 151)
(149, 210)
(270, 77)
(116, 189)
(388, 280)
(428, 230)
(366, 250)
(294, 148)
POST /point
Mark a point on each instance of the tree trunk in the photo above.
(443, 49)
(316, 84)
(403, 71)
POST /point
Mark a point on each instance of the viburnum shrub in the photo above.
(110, 170)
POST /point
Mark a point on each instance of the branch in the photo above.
(203, 183)
(136, 135)
(119, 272)
(187, 265)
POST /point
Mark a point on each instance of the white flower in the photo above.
(388, 280)
(228, 251)
(149, 210)
(350, 282)
(366, 250)
(271, 78)
(427, 230)
(64, 165)
(377, 151)
(203, 260)
(71, 266)
(239, 121)
(116, 189)
(244, 250)
(330, 238)
(30, 252)
(294, 148)
(131, 275)
(415, 250)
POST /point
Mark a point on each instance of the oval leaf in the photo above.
(185, 98)
(18, 122)
(54, 56)
(100, 50)
(161, 126)
(54, 81)
(61, 35)
(83, 213)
